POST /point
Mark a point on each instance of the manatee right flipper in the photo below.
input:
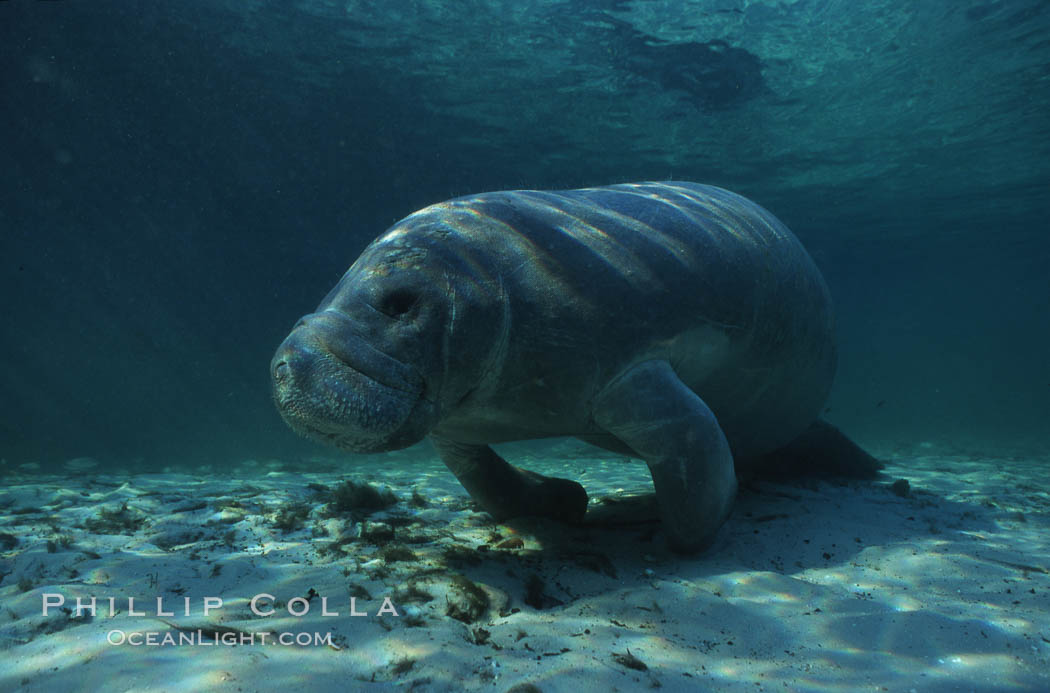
(676, 433)
(505, 491)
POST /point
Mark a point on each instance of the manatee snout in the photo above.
(331, 383)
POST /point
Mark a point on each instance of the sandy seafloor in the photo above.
(812, 585)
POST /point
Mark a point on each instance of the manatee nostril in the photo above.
(280, 370)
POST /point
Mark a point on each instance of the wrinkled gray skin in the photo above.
(674, 322)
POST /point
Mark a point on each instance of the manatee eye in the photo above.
(398, 302)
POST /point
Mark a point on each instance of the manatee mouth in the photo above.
(331, 385)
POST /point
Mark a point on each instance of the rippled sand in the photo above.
(811, 585)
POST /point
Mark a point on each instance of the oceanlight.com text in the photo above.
(204, 638)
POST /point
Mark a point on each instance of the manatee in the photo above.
(674, 322)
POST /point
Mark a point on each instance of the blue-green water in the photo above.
(181, 181)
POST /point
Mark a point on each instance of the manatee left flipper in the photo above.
(676, 433)
(504, 491)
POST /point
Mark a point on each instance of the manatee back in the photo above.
(600, 278)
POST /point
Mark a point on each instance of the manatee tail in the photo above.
(821, 451)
